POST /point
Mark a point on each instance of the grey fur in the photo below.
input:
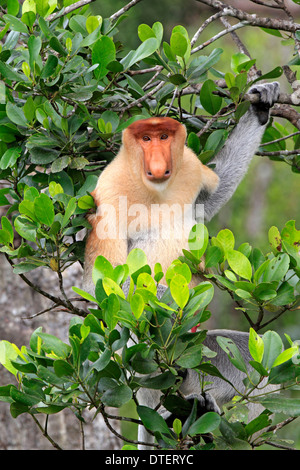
(233, 160)
(220, 392)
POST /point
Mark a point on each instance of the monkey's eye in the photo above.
(146, 138)
(164, 137)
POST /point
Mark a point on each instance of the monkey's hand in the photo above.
(206, 402)
(268, 94)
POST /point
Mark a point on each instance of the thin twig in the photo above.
(279, 140)
(69, 9)
(242, 24)
(260, 2)
(119, 435)
(252, 19)
(141, 99)
(54, 299)
(204, 25)
(124, 9)
(285, 153)
(45, 433)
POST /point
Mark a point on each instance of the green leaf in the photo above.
(205, 63)
(193, 142)
(209, 422)
(145, 281)
(137, 305)
(190, 358)
(277, 268)
(8, 72)
(26, 228)
(152, 420)
(50, 66)
(9, 158)
(273, 32)
(265, 291)
(103, 53)
(24, 398)
(145, 32)
(178, 44)
(285, 356)
(213, 256)
(233, 353)
(272, 348)
(146, 49)
(16, 114)
(103, 360)
(44, 210)
(34, 46)
(102, 268)
(15, 24)
(179, 290)
(177, 426)
(230, 80)
(29, 18)
(136, 259)
(117, 396)
(274, 239)
(198, 240)
(240, 264)
(84, 294)
(8, 353)
(92, 23)
(256, 345)
(112, 310)
(70, 209)
(285, 295)
(157, 382)
(86, 202)
(210, 102)
(238, 60)
(281, 404)
(60, 163)
(111, 287)
(55, 44)
(63, 368)
(225, 239)
(13, 7)
(52, 344)
(275, 73)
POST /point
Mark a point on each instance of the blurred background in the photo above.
(269, 195)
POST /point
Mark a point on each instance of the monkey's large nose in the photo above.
(158, 170)
(158, 175)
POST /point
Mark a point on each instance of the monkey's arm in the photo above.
(233, 160)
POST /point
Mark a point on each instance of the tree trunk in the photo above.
(18, 302)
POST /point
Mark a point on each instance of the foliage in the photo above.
(67, 90)
(105, 367)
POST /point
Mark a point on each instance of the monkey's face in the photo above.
(161, 141)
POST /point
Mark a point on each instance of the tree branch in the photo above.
(252, 19)
(65, 11)
(58, 301)
(124, 9)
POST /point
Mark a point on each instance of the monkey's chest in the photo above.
(163, 233)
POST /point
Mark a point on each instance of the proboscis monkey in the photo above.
(151, 193)
(154, 167)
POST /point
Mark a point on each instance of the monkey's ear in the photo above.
(210, 179)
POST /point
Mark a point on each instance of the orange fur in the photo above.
(125, 176)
